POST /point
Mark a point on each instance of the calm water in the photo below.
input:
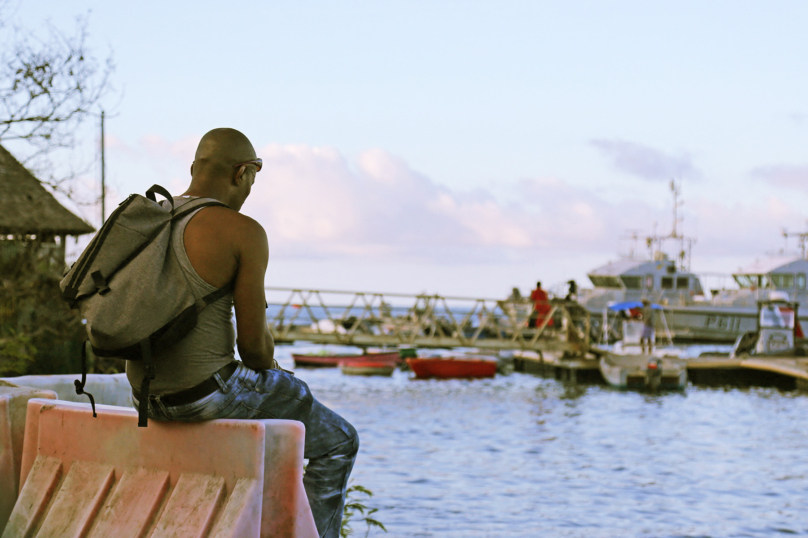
(522, 456)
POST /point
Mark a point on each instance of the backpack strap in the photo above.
(80, 384)
(150, 194)
(148, 376)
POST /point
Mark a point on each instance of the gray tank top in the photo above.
(208, 347)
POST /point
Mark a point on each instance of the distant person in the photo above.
(515, 296)
(541, 307)
(572, 292)
(648, 332)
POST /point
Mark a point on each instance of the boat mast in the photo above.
(685, 243)
(802, 238)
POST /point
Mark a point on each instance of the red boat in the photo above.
(333, 361)
(451, 368)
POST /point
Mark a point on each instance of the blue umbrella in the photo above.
(628, 305)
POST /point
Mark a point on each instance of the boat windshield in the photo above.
(752, 281)
(777, 317)
(601, 281)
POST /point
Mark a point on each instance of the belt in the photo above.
(197, 392)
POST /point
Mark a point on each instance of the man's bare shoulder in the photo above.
(231, 223)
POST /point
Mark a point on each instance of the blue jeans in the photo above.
(331, 442)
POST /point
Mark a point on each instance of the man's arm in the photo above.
(255, 344)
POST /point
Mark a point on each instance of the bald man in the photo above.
(200, 379)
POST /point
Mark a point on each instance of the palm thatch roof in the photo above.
(26, 207)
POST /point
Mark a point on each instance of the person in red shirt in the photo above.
(541, 307)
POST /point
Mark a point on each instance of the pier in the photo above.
(560, 346)
(365, 319)
(785, 373)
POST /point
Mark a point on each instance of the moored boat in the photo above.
(452, 368)
(332, 361)
(379, 368)
(643, 372)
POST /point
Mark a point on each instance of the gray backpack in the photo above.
(131, 289)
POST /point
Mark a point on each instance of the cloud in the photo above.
(317, 204)
(646, 162)
(787, 176)
(313, 202)
(798, 117)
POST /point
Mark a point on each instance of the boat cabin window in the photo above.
(784, 280)
(777, 317)
(632, 282)
(801, 281)
(682, 282)
(605, 281)
(667, 283)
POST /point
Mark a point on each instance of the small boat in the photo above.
(643, 372)
(452, 368)
(367, 368)
(334, 360)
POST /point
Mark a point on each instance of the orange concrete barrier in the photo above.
(100, 477)
(13, 406)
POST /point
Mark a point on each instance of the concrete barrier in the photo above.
(13, 407)
(106, 389)
(94, 477)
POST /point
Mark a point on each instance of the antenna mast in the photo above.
(103, 173)
(802, 238)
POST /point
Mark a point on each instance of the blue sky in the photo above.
(467, 147)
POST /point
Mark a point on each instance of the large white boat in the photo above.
(693, 315)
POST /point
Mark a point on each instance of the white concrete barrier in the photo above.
(106, 389)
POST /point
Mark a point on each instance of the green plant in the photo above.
(16, 352)
(39, 333)
(354, 505)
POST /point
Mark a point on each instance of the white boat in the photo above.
(690, 315)
(643, 372)
(776, 334)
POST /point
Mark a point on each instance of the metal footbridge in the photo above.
(365, 319)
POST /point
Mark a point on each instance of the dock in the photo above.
(784, 373)
(559, 346)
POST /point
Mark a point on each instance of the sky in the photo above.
(465, 147)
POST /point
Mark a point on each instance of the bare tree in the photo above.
(48, 88)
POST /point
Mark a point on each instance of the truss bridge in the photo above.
(366, 319)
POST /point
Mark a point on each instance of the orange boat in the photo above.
(334, 360)
(452, 368)
(367, 368)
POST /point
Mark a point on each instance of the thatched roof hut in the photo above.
(28, 209)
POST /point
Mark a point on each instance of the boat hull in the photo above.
(333, 361)
(630, 372)
(368, 368)
(451, 368)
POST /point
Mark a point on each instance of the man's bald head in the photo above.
(218, 151)
(213, 172)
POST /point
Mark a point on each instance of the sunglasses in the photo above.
(257, 162)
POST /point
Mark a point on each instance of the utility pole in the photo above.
(103, 171)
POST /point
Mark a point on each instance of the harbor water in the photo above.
(524, 456)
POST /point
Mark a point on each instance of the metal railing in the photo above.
(426, 321)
